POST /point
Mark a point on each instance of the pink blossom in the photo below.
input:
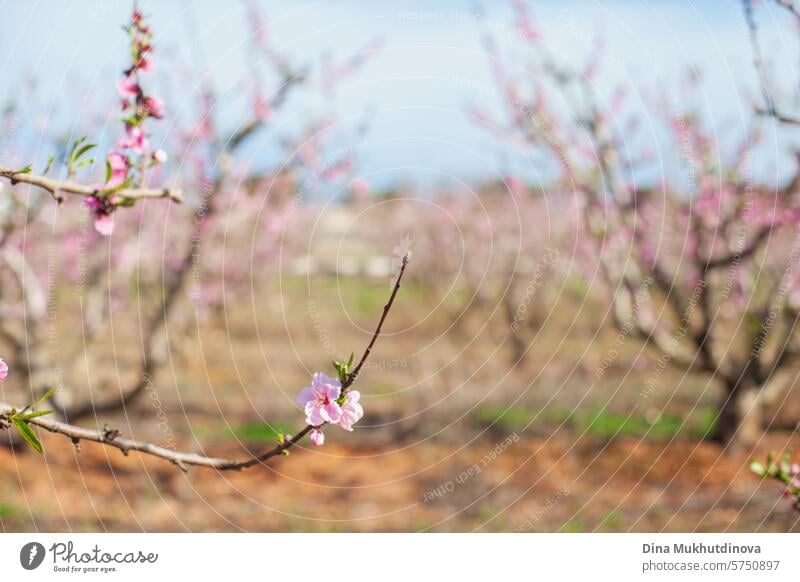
(360, 188)
(102, 209)
(317, 437)
(351, 410)
(261, 108)
(3, 370)
(134, 139)
(154, 106)
(145, 65)
(128, 88)
(319, 400)
(119, 169)
(104, 224)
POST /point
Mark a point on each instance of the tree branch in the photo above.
(57, 187)
(182, 460)
(354, 374)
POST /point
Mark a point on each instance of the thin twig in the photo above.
(354, 374)
(57, 187)
(771, 109)
(182, 460)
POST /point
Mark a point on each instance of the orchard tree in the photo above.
(699, 262)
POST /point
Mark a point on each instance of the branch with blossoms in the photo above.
(57, 187)
(126, 166)
(327, 401)
(785, 472)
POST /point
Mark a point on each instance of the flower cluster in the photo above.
(3, 370)
(324, 402)
(133, 154)
(784, 471)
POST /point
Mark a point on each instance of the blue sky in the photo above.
(418, 89)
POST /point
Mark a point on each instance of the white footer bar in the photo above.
(376, 557)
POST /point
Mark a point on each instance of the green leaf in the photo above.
(27, 433)
(36, 414)
(26, 170)
(84, 162)
(50, 159)
(75, 145)
(127, 202)
(50, 393)
(108, 171)
(79, 154)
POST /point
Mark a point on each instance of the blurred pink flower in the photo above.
(102, 209)
(119, 169)
(261, 108)
(155, 106)
(128, 88)
(3, 370)
(360, 188)
(351, 410)
(134, 139)
(319, 400)
(104, 224)
(317, 437)
(145, 65)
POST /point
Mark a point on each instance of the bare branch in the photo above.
(111, 438)
(771, 110)
(354, 374)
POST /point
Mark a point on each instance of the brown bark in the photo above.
(740, 422)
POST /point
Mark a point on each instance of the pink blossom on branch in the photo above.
(154, 106)
(118, 167)
(102, 207)
(134, 140)
(317, 437)
(320, 400)
(3, 370)
(128, 88)
(351, 410)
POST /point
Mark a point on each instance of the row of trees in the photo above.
(702, 268)
(692, 250)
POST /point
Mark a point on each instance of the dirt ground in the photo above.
(532, 485)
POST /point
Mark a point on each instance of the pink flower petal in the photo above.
(317, 437)
(104, 224)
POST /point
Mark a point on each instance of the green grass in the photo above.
(516, 418)
(255, 432)
(6, 511)
(574, 526)
(598, 422)
(611, 521)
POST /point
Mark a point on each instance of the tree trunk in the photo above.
(740, 422)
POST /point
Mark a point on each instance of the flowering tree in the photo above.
(496, 251)
(225, 211)
(777, 107)
(699, 268)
